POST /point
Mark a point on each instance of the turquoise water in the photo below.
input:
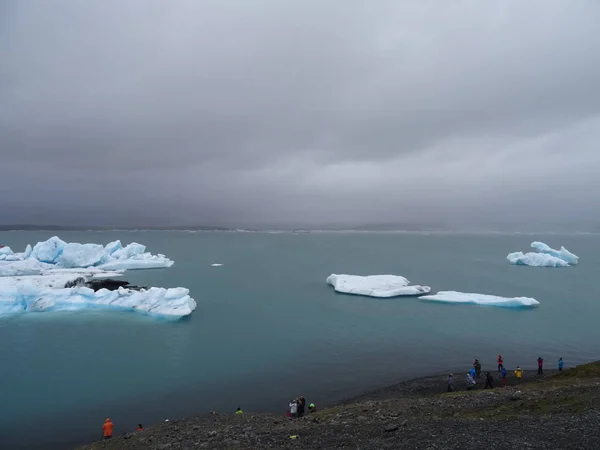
(268, 328)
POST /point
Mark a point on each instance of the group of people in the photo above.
(297, 407)
(475, 372)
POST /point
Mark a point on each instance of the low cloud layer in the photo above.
(242, 113)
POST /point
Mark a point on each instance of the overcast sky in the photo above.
(241, 112)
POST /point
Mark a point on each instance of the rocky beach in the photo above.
(554, 411)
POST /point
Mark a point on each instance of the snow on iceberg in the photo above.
(375, 285)
(481, 299)
(535, 260)
(545, 257)
(47, 293)
(58, 253)
(563, 253)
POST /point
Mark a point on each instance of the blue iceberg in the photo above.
(545, 257)
(57, 253)
(46, 293)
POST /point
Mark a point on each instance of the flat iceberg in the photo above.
(48, 293)
(375, 285)
(545, 257)
(481, 299)
(563, 253)
(58, 253)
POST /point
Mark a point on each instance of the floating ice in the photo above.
(375, 285)
(545, 257)
(535, 260)
(563, 253)
(216, 265)
(47, 293)
(57, 253)
(481, 299)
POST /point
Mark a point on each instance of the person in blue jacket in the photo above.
(560, 364)
(473, 372)
(503, 373)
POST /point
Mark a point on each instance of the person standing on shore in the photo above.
(107, 428)
(301, 405)
(560, 364)
(503, 373)
(500, 363)
(477, 366)
(489, 380)
(472, 372)
(294, 408)
(540, 362)
(519, 373)
(470, 381)
(450, 383)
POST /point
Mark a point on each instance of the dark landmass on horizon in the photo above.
(409, 227)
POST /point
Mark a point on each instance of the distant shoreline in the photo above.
(483, 232)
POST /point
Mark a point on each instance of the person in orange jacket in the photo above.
(140, 427)
(107, 428)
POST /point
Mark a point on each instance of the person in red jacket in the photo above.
(500, 363)
(107, 428)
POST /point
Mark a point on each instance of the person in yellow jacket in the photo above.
(519, 373)
(239, 412)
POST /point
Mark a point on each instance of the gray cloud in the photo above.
(277, 112)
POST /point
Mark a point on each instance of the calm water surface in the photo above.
(267, 327)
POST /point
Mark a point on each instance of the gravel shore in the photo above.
(554, 411)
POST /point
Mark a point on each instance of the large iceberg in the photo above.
(375, 285)
(58, 253)
(48, 293)
(481, 299)
(545, 257)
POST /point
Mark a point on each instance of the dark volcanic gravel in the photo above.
(551, 412)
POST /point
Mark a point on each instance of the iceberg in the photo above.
(58, 253)
(48, 293)
(48, 251)
(535, 260)
(545, 257)
(563, 253)
(382, 286)
(481, 299)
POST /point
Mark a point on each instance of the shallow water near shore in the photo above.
(268, 328)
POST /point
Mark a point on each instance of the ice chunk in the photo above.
(129, 251)
(216, 265)
(47, 293)
(5, 251)
(535, 259)
(481, 299)
(563, 253)
(49, 250)
(56, 252)
(375, 285)
(82, 255)
(112, 247)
